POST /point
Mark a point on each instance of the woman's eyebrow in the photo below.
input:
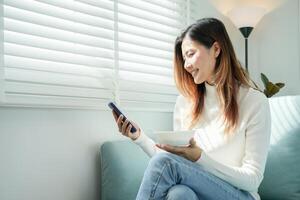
(185, 52)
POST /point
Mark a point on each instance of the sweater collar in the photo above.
(211, 90)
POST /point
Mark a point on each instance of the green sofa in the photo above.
(123, 163)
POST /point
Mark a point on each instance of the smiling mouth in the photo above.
(194, 73)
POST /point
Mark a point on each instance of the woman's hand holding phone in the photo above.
(125, 127)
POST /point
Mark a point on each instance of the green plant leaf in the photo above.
(264, 79)
(266, 93)
(272, 88)
(280, 85)
(269, 86)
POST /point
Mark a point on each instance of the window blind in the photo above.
(58, 53)
(147, 32)
(84, 53)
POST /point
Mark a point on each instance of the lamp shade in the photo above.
(246, 16)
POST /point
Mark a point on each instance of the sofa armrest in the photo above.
(122, 167)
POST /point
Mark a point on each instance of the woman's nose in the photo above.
(188, 66)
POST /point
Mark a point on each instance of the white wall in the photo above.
(53, 153)
(274, 48)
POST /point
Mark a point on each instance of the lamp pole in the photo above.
(246, 32)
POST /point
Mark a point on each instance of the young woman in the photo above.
(231, 119)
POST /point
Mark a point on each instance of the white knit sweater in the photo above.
(238, 159)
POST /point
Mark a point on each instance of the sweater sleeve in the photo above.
(250, 174)
(147, 144)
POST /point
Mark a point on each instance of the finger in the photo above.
(134, 125)
(179, 153)
(134, 134)
(124, 126)
(172, 149)
(119, 122)
(115, 115)
(192, 142)
(119, 119)
(128, 130)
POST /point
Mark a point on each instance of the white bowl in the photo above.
(175, 138)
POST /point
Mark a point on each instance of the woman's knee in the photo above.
(181, 192)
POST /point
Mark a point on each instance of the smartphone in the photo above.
(118, 112)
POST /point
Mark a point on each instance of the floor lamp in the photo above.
(245, 18)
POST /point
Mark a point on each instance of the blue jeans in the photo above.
(173, 177)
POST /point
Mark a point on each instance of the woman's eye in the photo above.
(190, 54)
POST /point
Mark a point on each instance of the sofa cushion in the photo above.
(122, 167)
(282, 173)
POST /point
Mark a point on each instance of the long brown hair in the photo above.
(229, 74)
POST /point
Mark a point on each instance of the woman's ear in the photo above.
(216, 49)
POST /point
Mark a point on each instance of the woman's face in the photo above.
(198, 60)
